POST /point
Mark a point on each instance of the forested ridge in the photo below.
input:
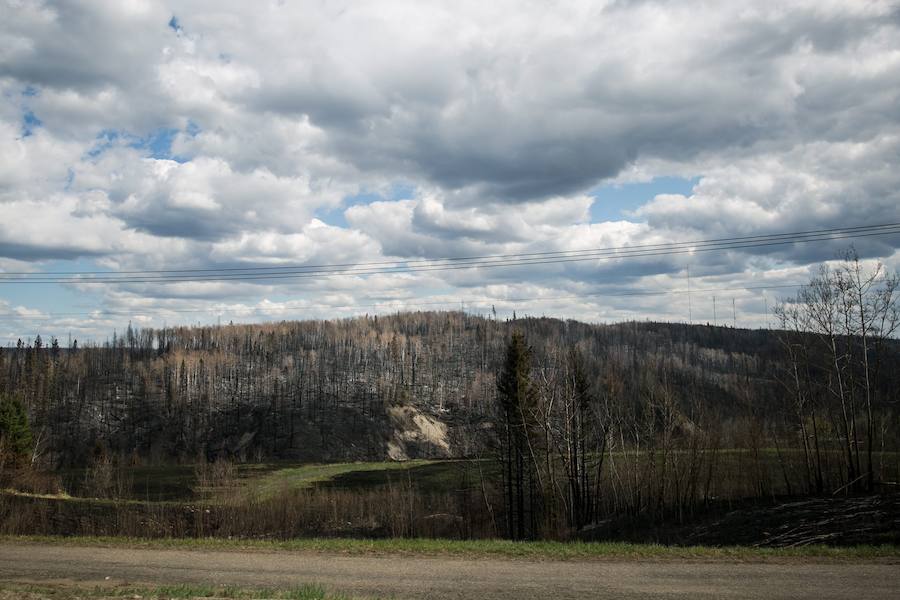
(324, 389)
(576, 421)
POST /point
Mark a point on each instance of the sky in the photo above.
(145, 135)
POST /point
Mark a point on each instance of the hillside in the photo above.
(408, 385)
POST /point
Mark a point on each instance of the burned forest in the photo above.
(561, 423)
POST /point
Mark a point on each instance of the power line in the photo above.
(515, 260)
(276, 268)
(470, 302)
(677, 248)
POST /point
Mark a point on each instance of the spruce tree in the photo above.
(518, 398)
(15, 432)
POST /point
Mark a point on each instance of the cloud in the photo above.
(531, 107)
(434, 227)
(34, 165)
(81, 45)
(190, 134)
(315, 243)
(816, 185)
(204, 199)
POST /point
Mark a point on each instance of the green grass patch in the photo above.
(306, 476)
(174, 485)
(435, 476)
(303, 592)
(178, 483)
(85, 501)
(506, 549)
(161, 483)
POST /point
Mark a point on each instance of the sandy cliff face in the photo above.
(416, 435)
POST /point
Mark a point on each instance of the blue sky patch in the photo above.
(29, 123)
(335, 216)
(613, 201)
(105, 140)
(53, 298)
(158, 143)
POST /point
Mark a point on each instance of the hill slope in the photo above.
(408, 385)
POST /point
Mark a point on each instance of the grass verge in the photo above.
(47, 592)
(488, 548)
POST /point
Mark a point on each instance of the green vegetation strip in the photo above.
(306, 476)
(487, 548)
(35, 592)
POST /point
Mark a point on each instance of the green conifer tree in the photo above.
(518, 399)
(15, 432)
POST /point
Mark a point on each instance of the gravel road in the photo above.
(450, 578)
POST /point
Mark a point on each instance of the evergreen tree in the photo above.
(15, 432)
(518, 398)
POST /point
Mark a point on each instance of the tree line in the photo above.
(822, 418)
(656, 420)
